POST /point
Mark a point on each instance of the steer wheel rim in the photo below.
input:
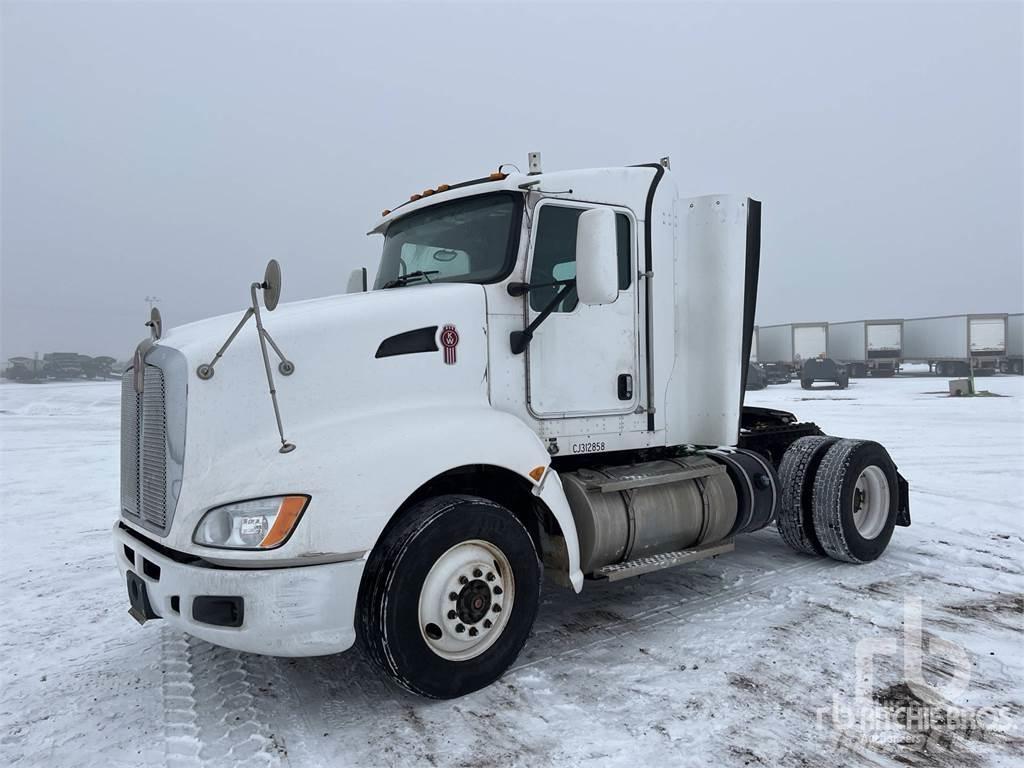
(871, 501)
(466, 600)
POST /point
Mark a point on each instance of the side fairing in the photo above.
(704, 395)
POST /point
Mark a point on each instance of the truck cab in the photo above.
(546, 379)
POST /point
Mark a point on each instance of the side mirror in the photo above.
(597, 261)
(357, 281)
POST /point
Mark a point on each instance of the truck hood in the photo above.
(357, 358)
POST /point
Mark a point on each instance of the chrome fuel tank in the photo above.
(636, 510)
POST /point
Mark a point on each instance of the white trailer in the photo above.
(867, 347)
(802, 349)
(1014, 362)
(542, 378)
(954, 344)
(793, 343)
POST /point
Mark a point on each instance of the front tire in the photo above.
(450, 596)
(855, 501)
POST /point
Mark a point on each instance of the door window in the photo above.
(554, 254)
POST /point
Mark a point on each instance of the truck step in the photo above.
(656, 562)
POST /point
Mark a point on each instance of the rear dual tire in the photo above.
(796, 476)
(839, 498)
(855, 501)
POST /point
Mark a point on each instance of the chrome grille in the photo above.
(129, 445)
(144, 448)
(153, 450)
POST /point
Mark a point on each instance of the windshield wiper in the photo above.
(410, 277)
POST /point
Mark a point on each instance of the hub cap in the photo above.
(465, 600)
(871, 501)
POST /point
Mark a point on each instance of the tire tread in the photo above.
(829, 486)
(794, 520)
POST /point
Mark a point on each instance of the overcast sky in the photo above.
(170, 150)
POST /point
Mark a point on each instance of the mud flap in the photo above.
(903, 510)
(138, 597)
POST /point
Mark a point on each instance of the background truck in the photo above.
(1014, 362)
(802, 348)
(547, 377)
(954, 344)
(867, 347)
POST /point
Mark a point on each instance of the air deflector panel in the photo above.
(409, 342)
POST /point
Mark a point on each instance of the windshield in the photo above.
(472, 240)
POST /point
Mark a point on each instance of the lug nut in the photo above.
(497, 590)
(496, 608)
(477, 573)
(463, 580)
(452, 614)
(460, 628)
(490, 577)
(487, 624)
(472, 632)
(453, 595)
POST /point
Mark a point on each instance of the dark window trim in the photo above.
(586, 205)
(659, 171)
(515, 233)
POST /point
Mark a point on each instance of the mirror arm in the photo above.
(521, 289)
(519, 340)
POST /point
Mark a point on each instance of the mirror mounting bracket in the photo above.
(271, 290)
(519, 340)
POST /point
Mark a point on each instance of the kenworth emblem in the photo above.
(449, 340)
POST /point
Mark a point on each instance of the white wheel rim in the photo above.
(871, 501)
(466, 600)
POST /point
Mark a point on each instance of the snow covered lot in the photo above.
(744, 660)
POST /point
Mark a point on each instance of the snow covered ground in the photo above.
(746, 660)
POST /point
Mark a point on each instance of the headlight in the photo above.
(255, 524)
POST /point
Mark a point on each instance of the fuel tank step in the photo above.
(643, 565)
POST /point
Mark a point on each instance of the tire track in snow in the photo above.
(675, 611)
(210, 712)
(181, 731)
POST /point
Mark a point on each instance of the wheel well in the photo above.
(505, 487)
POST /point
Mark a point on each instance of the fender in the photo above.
(439, 440)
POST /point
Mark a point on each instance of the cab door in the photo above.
(582, 360)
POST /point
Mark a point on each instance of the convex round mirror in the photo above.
(272, 285)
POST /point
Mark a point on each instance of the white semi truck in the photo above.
(953, 345)
(867, 347)
(1014, 362)
(546, 377)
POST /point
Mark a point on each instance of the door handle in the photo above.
(625, 386)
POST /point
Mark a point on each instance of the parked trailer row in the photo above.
(951, 345)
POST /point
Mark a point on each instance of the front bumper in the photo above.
(295, 611)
